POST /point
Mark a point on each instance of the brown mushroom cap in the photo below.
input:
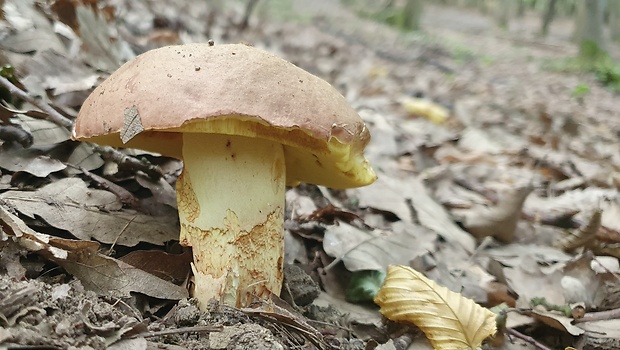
(230, 89)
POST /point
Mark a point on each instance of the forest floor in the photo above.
(491, 160)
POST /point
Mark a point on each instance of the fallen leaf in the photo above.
(500, 220)
(542, 282)
(384, 194)
(432, 215)
(364, 320)
(162, 191)
(109, 276)
(30, 160)
(425, 108)
(582, 284)
(449, 320)
(376, 249)
(97, 272)
(586, 201)
(170, 267)
(492, 140)
(84, 157)
(102, 47)
(557, 321)
(44, 132)
(130, 344)
(59, 73)
(88, 213)
(604, 332)
(33, 31)
(512, 255)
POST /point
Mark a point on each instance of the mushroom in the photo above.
(246, 124)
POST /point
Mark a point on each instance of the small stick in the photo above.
(198, 329)
(52, 114)
(153, 171)
(599, 316)
(527, 339)
(123, 195)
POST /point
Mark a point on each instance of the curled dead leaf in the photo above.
(102, 274)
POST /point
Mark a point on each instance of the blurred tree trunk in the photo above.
(614, 19)
(521, 7)
(589, 30)
(249, 8)
(580, 18)
(412, 14)
(503, 13)
(548, 17)
(482, 6)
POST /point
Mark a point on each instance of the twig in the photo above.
(119, 235)
(197, 329)
(527, 339)
(52, 114)
(598, 316)
(55, 117)
(126, 197)
(249, 7)
(17, 134)
(152, 171)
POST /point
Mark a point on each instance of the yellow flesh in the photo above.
(308, 159)
(231, 207)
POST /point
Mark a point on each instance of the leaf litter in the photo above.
(463, 151)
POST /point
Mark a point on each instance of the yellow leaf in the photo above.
(425, 108)
(449, 320)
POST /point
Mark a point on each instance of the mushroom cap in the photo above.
(229, 89)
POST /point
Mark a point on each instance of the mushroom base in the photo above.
(231, 206)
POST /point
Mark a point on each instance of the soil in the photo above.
(55, 315)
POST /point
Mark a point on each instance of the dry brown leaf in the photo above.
(376, 249)
(162, 191)
(449, 320)
(362, 319)
(30, 160)
(59, 73)
(102, 274)
(531, 280)
(384, 194)
(586, 201)
(499, 221)
(103, 48)
(604, 334)
(584, 237)
(44, 132)
(432, 215)
(169, 267)
(557, 321)
(512, 255)
(491, 141)
(109, 276)
(87, 213)
(32, 30)
(84, 157)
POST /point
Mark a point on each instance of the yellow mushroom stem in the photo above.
(231, 207)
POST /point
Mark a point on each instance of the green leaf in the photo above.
(364, 285)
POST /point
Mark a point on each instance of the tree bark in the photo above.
(503, 13)
(614, 19)
(548, 17)
(412, 14)
(590, 35)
